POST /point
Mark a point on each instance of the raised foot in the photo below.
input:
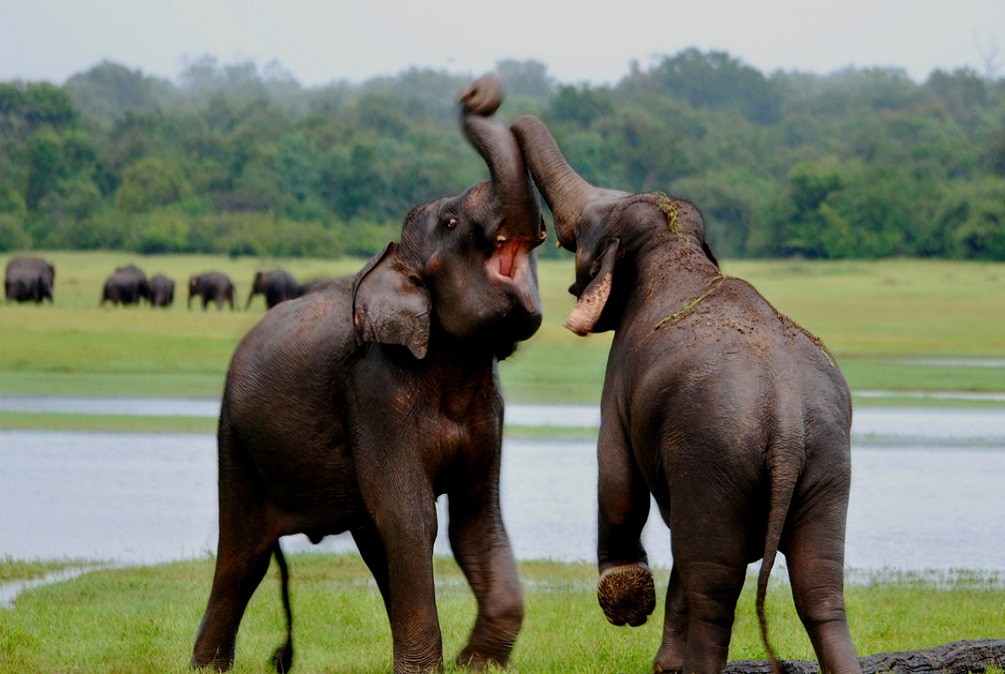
(627, 594)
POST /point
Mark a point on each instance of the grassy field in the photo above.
(872, 315)
(144, 619)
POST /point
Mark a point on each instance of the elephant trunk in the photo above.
(562, 188)
(521, 211)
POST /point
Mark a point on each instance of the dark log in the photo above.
(958, 657)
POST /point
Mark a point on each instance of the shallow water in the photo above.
(925, 495)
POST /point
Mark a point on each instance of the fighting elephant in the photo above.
(213, 287)
(733, 417)
(353, 407)
(29, 279)
(277, 286)
(127, 285)
(161, 291)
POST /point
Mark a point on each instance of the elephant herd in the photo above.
(30, 279)
(355, 406)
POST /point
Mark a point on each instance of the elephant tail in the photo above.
(783, 473)
(282, 659)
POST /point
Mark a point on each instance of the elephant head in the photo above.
(602, 226)
(465, 268)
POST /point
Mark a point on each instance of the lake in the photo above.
(925, 494)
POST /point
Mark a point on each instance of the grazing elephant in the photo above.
(127, 285)
(277, 286)
(29, 279)
(733, 417)
(353, 407)
(211, 287)
(161, 291)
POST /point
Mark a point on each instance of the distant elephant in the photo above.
(277, 286)
(127, 285)
(211, 287)
(733, 417)
(161, 291)
(29, 279)
(354, 407)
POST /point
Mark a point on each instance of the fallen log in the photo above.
(958, 657)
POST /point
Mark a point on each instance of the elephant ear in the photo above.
(389, 306)
(591, 302)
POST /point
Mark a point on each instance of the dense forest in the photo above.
(241, 159)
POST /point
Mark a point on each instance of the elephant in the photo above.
(127, 285)
(734, 418)
(161, 291)
(29, 279)
(353, 407)
(277, 286)
(212, 286)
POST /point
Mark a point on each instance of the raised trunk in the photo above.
(562, 188)
(497, 146)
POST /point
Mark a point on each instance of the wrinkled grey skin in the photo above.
(734, 418)
(127, 285)
(161, 291)
(29, 279)
(353, 407)
(277, 286)
(211, 287)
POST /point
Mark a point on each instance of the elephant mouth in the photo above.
(511, 266)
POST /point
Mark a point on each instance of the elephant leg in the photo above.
(482, 549)
(625, 589)
(711, 587)
(242, 559)
(239, 570)
(814, 553)
(372, 550)
(670, 657)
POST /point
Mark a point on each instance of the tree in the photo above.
(151, 182)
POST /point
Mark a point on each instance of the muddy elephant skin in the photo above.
(353, 407)
(734, 418)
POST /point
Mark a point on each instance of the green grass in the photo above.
(144, 619)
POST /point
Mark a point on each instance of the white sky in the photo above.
(319, 42)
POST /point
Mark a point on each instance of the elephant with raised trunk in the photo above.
(276, 286)
(213, 287)
(29, 279)
(733, 417)
(353, 407)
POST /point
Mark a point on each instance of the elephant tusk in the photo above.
(501, 239)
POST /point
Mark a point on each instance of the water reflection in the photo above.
(146, 498)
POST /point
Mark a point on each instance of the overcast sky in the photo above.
(319, 42)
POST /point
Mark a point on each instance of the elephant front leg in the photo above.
(483, 552)
(625, 589)
(406, 528)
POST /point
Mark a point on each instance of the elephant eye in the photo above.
(451, 223)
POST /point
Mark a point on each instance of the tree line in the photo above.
(242, 159)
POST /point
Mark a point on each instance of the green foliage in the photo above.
(862, 163)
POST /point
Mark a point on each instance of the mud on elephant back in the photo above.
(734, 418)
(353, 407)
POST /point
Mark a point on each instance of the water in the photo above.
(925, 494)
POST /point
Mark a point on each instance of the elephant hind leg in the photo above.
(237, 576)
(815, 557)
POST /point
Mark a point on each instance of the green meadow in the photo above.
(144, 619)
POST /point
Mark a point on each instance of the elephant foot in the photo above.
(627, 594)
